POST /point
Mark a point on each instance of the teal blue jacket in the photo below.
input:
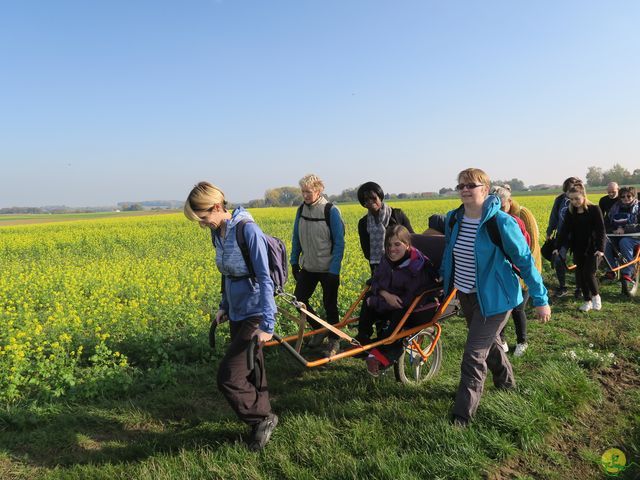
(497, 286)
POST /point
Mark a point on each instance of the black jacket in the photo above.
(597, 238)
(397, 218)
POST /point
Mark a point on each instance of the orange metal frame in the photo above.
(635, 260)
(397, 334)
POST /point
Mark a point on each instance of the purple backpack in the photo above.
(276, 253)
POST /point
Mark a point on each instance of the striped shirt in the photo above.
(464, 256)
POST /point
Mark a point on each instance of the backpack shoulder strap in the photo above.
(327, 214)
(327, 218)
(454, 217)
(242, 243)
(494, 234)
(313, 219)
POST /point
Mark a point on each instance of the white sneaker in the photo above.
(596, 302)
(504, 346)
(586, 306)
(520, 349)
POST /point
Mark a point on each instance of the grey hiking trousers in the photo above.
(482, 350)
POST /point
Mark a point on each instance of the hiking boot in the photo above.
(520, 349)
(316, 340)
(373, 366)
(333, 347)
(596, 302)
(504, 346)
(261, 432)
(459, 422)
(586, 306)
(561, 292)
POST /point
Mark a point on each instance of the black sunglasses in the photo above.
(470, 186)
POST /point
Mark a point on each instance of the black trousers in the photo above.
(306, 283)
(586, 267)
(520, 319)
(245, 390)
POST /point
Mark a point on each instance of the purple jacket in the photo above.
(406, 280)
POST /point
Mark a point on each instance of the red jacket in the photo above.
(520, 223)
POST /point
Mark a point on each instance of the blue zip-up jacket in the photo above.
(498, 288)
(245, 296)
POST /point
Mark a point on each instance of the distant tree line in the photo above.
(597, 177)
(151, 205)
(291, 196)
(50, 210)
(21, 210)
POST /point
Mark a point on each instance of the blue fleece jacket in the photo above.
(498, 287)
(244, 296)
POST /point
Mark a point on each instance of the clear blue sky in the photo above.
(107, 101)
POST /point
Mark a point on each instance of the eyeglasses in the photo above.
(626, 196)
(469, 186)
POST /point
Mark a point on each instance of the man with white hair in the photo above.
(609, 199)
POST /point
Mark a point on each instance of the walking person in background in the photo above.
(371, 227)
(247, 302)
(609, 199)
(488, 288)
(317, 248)
(583, 231)
(558, 212)
(529, 228)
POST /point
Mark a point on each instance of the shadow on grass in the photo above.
(190, 414)
(187, 415)
(320, 408)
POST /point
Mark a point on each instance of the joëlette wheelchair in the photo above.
(421, 357)
(629, 288)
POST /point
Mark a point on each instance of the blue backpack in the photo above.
(276, 253)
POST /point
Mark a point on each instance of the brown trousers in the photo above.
(245, 390)
(482, 350)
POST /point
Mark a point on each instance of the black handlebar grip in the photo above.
(251, 353)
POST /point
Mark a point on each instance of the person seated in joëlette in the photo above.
(403, 273)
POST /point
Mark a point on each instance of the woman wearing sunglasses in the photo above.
(488, 288)
(624, 218)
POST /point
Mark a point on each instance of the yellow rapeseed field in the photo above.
(87, 306)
